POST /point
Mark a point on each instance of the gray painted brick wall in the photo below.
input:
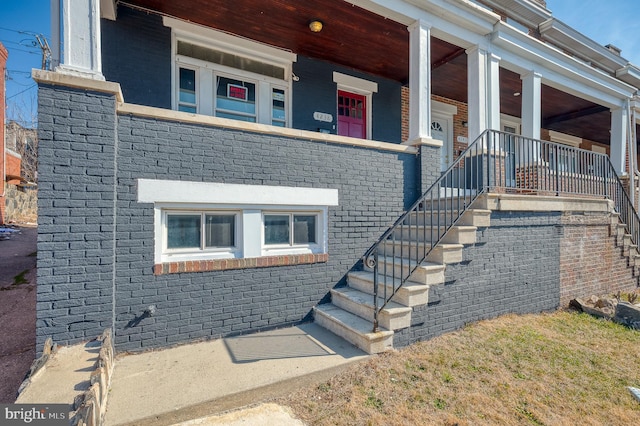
(75, 214)
(136, 52)
(429, 166)
(513, 268)
(94, 248)
(374, 187)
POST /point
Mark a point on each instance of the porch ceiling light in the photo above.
(316, 25)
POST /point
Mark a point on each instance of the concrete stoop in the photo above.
(350, 313)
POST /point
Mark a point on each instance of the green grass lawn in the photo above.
(548, 369)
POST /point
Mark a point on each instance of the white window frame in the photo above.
(258, 88)
(291, 247)
(567, 159)
(206, 72)
(360, 86)
(250, 202)
(176, 255)
(176, 96)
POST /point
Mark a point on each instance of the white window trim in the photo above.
(360, 86)
(312, 248)
(443, 109)
(250, 201)
(565, 139)
(511, 121)
(228, 43)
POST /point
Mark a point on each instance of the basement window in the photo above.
(208, 221)
(290, 229)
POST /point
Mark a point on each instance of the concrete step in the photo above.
(623, 241)
(615, 218)
(410, 294)
(471, 217)
(393, 317)
(629, 250)
(456, 235)
(449, 203)
(353, 328)
(427, 273)
(618, 230)
(442, 253)
(480, 218)
(446, 253)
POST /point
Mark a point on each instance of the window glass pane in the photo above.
(183, 231)
(235, 96)
(276, 229)
(230, 60)
(304, 229)
(187, 108)
(236, 117)
(278, 107)
(187, 86)
(219, 230)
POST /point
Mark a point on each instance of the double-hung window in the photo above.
(225, 76)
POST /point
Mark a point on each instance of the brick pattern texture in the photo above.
(591, 262)
(96, 266)
(96, 249)
(76, 221)
(512, 268)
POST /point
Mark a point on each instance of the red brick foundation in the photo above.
(227, 264)
(590, 261)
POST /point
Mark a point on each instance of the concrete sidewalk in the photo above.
(195, 381)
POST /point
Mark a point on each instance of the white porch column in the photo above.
(493, 92)
(531, 117)
(81, 29)
(618, 143)
(419, 83)
(531, 105)
(483, 78)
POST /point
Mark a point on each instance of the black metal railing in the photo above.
(495, 161)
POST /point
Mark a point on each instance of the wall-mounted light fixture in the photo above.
(516, 94)
(465, 124)
(315, 25)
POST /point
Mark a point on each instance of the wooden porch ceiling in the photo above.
(361, 40)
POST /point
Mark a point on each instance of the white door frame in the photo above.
(445, 112)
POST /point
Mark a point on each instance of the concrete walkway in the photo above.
(195, 381)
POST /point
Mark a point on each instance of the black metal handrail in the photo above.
(624, 206)
(496, 161)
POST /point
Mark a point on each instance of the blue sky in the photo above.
(612, 21)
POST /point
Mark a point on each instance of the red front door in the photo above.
(352, 115)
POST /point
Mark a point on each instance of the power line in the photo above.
(21, 92)
(19, 31)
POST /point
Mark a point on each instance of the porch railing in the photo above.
(498, 162)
